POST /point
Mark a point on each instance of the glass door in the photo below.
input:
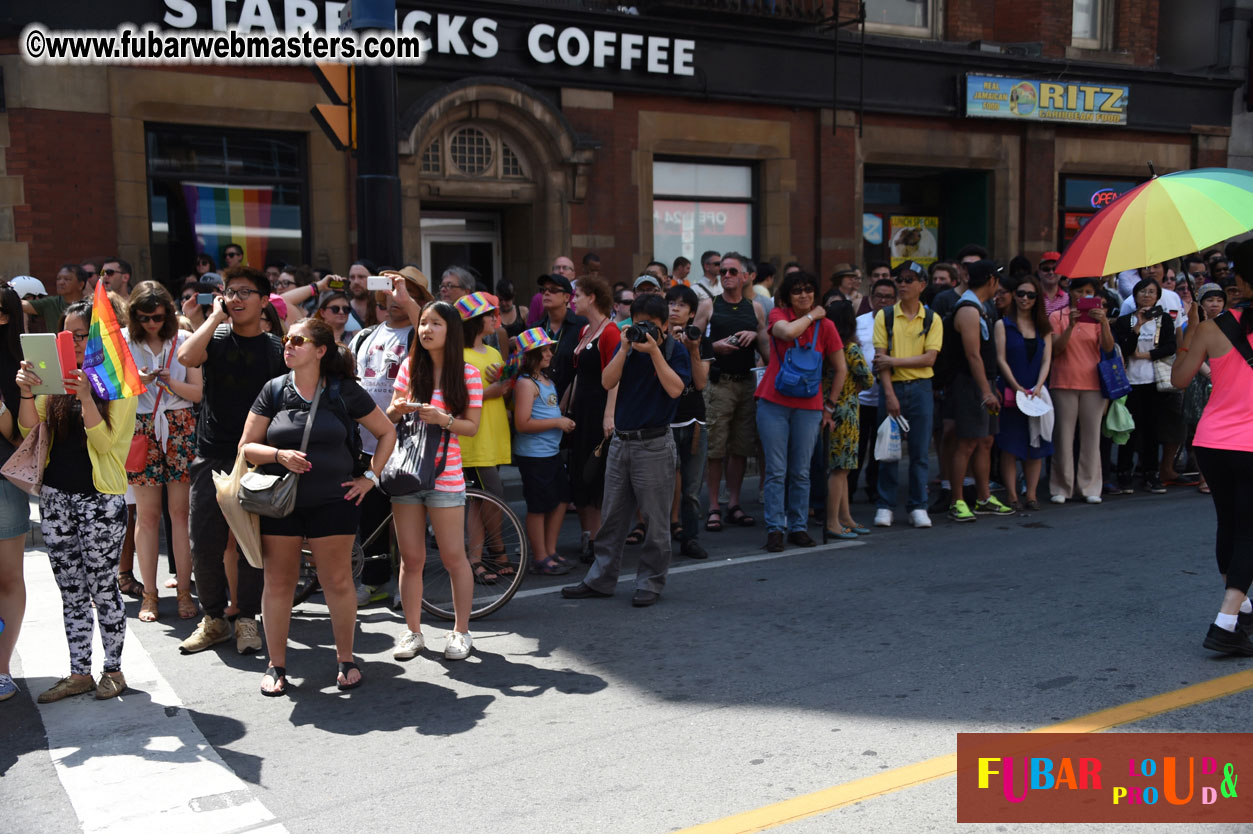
(467, 239)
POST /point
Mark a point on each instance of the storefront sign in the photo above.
(456, 34)
(997, 97)
(913, 239)
(872, 228)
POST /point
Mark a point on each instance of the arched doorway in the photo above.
(488, 169)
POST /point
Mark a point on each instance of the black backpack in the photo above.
(335, 402)
(952, 358)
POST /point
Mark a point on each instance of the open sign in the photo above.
(1103, 197)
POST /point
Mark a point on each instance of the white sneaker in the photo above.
(1058, 499)
(408, 644)
(247, 635)
(919, 518)
(1093, 499)
(458, 646)
(883, 518)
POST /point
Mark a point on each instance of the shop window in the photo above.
(913, 18)
(208, 188)
(702, 206)
(1083, 197)
(476, 151)
(1088, 24)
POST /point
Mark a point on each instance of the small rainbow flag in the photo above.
(107, 359)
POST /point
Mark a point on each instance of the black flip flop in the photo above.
(344, 668)
(637, 534)
(737, 516)
(278, 673)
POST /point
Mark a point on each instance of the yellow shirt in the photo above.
(907, 340)
(490, 447)
(106, 446)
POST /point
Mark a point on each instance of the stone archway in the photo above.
(533, 166)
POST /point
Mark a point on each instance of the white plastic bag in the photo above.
(887, 446)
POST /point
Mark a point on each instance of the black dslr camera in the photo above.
(638, 333)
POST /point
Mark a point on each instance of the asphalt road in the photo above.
(754, 680)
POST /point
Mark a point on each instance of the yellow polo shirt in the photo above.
(907, 339)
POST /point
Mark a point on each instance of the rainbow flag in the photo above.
(107, 360)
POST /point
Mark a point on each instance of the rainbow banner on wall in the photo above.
(222, 214)
(107, 360)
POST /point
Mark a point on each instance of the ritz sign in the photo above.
(1082, 102)
(455, 34)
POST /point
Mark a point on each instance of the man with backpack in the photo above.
(969, 358)
(238, 358)
(907, 339)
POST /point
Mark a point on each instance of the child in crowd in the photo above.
(536, 450)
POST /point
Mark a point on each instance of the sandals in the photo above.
(500, 565)
(735, 515)
(187, 609)
(549, 566)
(278, 674)
(483, 575)
(712, 524)
(845, 533)
(676, 530)
(148, 608)
(344, 668)
(637, 533)
(129, 585)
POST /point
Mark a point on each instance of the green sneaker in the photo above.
(992, 506)
(960, 511)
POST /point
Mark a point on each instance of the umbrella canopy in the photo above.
(1166, 217)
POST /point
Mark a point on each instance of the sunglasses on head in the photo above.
(144, 318)
(296, 341)
(336, 308)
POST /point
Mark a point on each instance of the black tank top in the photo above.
(731, 318)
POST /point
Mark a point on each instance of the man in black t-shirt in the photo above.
(237, 358)
(688, 424)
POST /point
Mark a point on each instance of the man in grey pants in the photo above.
(651, 370)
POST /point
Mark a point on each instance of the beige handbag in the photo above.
(25, 467)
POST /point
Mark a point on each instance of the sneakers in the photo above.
(883, 518)
(960, 511)
(1057, 499)
(7, 687)
(1154, 485)
(1125, 484)
(210, 632)
(408, 644)
(1092, 499)
(458, 645)
(1112, 488)
(66, 688)
(112, 684)
(919, 518)
(692, 549)
(247, 637)
(1218, 639)
(992, 506)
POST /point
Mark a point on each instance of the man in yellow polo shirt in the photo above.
(905, 351)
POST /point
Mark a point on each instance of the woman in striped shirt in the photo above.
(444, 391)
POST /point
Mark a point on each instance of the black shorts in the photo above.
(972, 418)
(545, 484)
(337, 518)
(1170, 427)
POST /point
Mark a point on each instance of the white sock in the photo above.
(1246, 607)
(1226, 621)
(944, 485)
(968, 481)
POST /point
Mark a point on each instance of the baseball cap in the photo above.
(475, 304)
(25, 285)
(646, 279)
(534, 338)
(1051, 256)
(911, 266)
(212, 279)
(1207, 290)
(561, 282)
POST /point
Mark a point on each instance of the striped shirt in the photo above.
(451, 479)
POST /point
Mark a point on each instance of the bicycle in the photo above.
(493, 532)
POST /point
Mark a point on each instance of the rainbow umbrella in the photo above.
(1166, 217)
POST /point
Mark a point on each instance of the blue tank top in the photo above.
(542, 444)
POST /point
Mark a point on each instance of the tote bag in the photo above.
(25, 467)
(1114, 382)
(411, 467)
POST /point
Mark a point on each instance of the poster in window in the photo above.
(689, 227)
(913, 238)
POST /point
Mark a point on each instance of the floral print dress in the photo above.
(844, 436)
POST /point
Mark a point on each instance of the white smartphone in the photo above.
(40, 349)
(374, 283)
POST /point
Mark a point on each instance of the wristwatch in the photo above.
(370, 476)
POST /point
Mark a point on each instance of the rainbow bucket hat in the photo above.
(534, 338)
(475, 304)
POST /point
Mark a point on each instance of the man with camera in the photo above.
(737, 330)
(650, 371)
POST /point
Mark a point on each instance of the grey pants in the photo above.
(639, 474)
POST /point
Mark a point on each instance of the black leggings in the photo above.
(1230, 478)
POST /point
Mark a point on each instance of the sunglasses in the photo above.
(905, 279)
(336, 308)
(245, 294)
(732, 271)
(806, 290)
(155, 318)
(108, 272)
(234, 254)
(1027, 294)
(296, 341)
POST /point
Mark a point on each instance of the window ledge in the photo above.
(1079, 53)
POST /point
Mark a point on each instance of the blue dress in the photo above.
(1024, 358)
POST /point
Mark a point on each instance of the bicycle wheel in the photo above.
(493, 532)
(307, 580)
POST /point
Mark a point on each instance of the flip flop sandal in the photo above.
(277, 674)
(483, 575)
(714, 525)
(499, 564)
(549, 566)
(637, 534)
(344, 668)
(735, 515)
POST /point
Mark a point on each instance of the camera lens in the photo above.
(633, 334)
(692, 332)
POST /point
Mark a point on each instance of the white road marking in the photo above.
(721, 562)
(137, 762)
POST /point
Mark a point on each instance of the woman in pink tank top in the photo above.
(1224, 450)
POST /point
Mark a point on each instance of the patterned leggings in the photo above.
(84, 535)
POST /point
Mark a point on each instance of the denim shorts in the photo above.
(432, 498)
(14, 510)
